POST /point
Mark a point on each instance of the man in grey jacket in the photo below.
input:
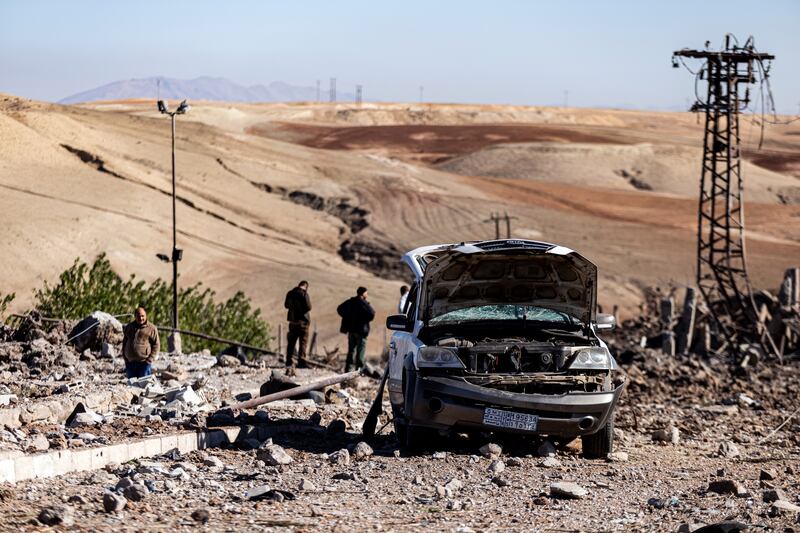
(298, 304)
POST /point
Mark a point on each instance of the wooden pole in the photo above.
(282, 395)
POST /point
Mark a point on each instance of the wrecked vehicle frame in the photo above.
(501, 336)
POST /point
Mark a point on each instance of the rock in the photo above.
(340, 457)
(439, 455)
(228, 361)
(265, 493)
(97, 328)
(773, 495)
(618, 457)
(38, 442)
(500, 482)
(307, 485)
(670, 434)
(514, 461)
(113, 502)
(497, 467)
(258, 493)
(781, 507)
(213, 461)
(728, 449)
(567, 490)
(83, 418)
(77, 499)
(550, 462)
(107, 350)
(491, 450)
(546, 449)
(766, 475)
(124, 483)
(201, 515)
(746, 401)
(337, 427)
(720, 527)
(274, 455)
(362, 451)
(453, 486)
(135, 493)
(727, 486)
(344, 475)
(58, 515)
(318, 397)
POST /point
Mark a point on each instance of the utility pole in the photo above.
(721, 267)
(358, 95)
(332, 90)
(496, 219)
(508, 220)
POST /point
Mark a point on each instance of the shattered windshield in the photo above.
(503, 312)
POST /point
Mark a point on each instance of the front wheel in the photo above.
(599, 445)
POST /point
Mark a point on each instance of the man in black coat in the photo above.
(299, 304)
(356, 313)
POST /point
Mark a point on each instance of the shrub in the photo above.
(5, 300)
(82, 289)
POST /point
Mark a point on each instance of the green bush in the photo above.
(82, 289)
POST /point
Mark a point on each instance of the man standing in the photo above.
(356, 313)
(299, 304)
(401, 305)
(140, 344)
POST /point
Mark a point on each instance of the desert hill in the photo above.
(334, 193)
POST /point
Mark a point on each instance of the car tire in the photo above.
(599, 445)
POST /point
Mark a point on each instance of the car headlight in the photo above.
(595, 358)
(433, 356)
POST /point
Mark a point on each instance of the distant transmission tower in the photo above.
(358, 94)
(332, 90)
(721, 267)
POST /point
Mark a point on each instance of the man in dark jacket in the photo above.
(356, 314)
(299, 304)
(140, 345)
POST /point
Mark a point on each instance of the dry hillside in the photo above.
(272, 193)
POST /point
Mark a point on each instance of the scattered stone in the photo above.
(77, 499)
(567, 490)
(307, 485)
(201, 515)
(258, 493)
(497, 467)
(213, 461)
(124, 483)
(340, 457)
(618, 457)
(113, 502)
(274, 455)
(773, 495)
(135, 493)
(337, 427)
(491, 450)
(39, 442)
(453, 486)
(514, 461)
(362, 450)
(550, 462)
(344, 475)
(728, 449)
(58, 515)
(727, 486)
(781, 507)
(500, 482)
(766, 475)
(546, 449)
(439, 455)
(228, 361)
(670, 434)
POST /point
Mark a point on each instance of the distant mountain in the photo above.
(203, 88)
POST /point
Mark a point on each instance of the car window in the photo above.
(503, 312)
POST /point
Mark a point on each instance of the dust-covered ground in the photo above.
(720, 460)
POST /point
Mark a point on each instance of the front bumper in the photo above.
(442, 403)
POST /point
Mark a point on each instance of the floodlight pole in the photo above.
(174, 237)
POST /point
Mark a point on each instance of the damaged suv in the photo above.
(501, 336)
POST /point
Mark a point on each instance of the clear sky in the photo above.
(604, 53)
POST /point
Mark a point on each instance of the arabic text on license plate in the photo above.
(510, 419)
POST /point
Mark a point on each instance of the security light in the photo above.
(183, 108)
(162, 107)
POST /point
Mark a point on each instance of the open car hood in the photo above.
(516, 272)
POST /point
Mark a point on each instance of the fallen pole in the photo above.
(302, 389)
(217, 339)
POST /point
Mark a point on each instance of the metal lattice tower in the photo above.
(721, 266)
(359, 89)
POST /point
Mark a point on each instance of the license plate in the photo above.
(510, 419)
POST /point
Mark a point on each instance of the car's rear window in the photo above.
(502, 312)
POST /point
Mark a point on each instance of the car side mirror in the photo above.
(397, 322)
(605, 322)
